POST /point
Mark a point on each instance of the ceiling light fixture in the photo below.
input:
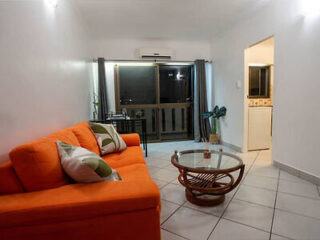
(53, 3)
(311, 8)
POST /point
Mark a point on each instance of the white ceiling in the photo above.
(169, 19)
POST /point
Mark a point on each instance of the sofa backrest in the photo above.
(9, 182)
(37, 163)
(85, 137)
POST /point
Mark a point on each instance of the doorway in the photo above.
(258, 102)
(159, 92)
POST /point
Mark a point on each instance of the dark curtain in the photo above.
(102, 86)
(201, 125)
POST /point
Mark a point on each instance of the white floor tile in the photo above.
(173, 193)
(167, 208)
(261, 182)
(191, 224)
(256, 195)
(267, 171)
(160, 183)
(165, 235)
(227, 230)
(300, 205)
(176, 181)
(165, 175)
(152, 169)
(296, 226)
(306, 190)
(157, 163)
(250, 214)
(289, 177)
(277, 237)
(171, 168)
(216, 210)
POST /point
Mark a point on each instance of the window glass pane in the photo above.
(137, 84)
(175, 83)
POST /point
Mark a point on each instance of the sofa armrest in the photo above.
(132, 139)
(77, 201)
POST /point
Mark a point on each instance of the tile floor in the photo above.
(268, 204)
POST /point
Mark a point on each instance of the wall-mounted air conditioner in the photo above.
(155, 53)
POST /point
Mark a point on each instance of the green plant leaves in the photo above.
(106, 141)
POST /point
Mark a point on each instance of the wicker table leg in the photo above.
(203, 201)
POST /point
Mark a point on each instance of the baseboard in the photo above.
(233, 147)
(298, 173)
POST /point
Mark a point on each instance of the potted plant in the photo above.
(215, 114)
(96, 104)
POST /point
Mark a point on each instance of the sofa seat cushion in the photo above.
(9, 183)
(131, 155)
(85, 137)
(76, 202)
(37, 163)
(135, 172)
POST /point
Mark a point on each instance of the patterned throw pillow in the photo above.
(85, 166)
(108, 139)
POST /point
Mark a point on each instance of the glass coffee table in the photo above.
(207, 178)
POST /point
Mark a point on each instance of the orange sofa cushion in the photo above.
(135, 172)
(132, 139)
(9, 183)
(37, 163)
(85, 137)
(76, 202)
(131, 155)
(134, 225)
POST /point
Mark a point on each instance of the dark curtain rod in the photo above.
(148, 60)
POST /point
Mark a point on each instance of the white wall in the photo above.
(296, 119)
(128, 48)
(44, 73)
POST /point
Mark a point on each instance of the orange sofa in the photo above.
(38, 201)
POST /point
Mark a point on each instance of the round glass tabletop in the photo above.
(194, 159)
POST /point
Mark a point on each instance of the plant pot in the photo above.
(214, 138)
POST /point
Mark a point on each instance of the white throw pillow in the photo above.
(85, 166)
(108, 139)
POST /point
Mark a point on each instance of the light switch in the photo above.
(238, 84)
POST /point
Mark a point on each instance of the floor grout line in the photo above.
(274, 207)
(174, 233)
(231, 220)
(232, 197)
(180, 206)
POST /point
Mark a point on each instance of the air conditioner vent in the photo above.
(155, 53)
